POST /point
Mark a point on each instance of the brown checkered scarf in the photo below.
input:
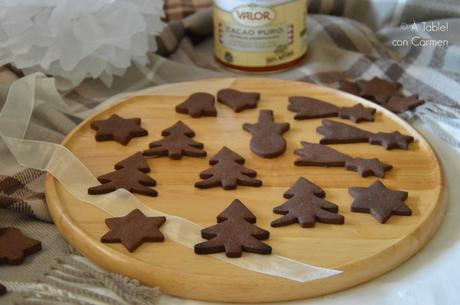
(178, 9)
(17, 190)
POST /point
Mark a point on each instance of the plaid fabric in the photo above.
(179, 9)
(14, 190)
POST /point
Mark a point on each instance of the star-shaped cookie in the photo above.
(357, 113)
(391, 140)
(368, 167)
(133, 230)
(378, 90)
(118, 129)
(379, 201)
(399, 104)
(15, 246)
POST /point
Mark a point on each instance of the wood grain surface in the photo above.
(362, 248)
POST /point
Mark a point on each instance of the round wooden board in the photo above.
(362, 248)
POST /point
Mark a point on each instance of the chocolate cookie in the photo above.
(2, 290)
(234, 233)
(321, 155)
(267, 141)
(15, 246)
(310, 108)
(129, 179)
(391, 140)
(378, 90)
(302, 187)
(228, 172)
(379, 201)
(237, 100)
(133, 230)
(118, 129)
(349, 87)
(135, 161)
(305, 207)
(357, 113)
(340, 133)
(198, 105)
(383, 92)
(368, 167)
(399, 104)
(177, 142)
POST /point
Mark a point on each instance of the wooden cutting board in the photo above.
(362, 248)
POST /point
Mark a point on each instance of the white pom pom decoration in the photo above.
(75, 39)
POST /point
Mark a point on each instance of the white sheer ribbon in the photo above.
(34, 89)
